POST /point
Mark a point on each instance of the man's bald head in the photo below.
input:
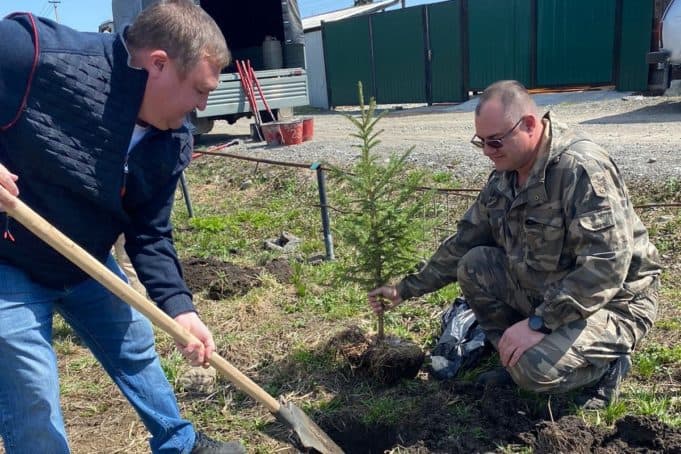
(515, 101)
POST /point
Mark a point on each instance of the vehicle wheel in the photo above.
(657, 57)
(200, 125)
(660, 78)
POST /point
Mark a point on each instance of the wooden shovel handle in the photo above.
(95, 269)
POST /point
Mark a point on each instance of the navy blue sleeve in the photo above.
(149, 244)
(17, 54)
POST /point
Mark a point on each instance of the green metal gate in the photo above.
(347, 48)
(441, 52)
(446, 52)
(575, 42)
(499, 42)
(399, 56)
(632, 71)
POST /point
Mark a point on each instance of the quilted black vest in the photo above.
(69, 144)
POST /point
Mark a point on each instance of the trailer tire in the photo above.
(200, 125)
(657, 57)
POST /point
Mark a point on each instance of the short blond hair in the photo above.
(183, 30)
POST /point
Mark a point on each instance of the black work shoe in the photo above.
(496, 377)
(607, 389)
(206, 445)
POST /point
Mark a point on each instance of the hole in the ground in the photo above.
(357, 438)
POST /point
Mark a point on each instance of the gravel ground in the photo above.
(641, 133)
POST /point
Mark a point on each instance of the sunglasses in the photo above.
(494, 143)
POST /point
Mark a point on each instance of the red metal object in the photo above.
(254, 80)
(308, 128)
(272, 133)
(291, 132)
(248, 90)
(198, 154)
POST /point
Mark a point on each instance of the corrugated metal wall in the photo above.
(399, 55)
(440, 52)
(499, 34)
(633, 70)
(444, 26)
(575, 42)
(347, 56)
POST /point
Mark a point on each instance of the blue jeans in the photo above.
(120, 338)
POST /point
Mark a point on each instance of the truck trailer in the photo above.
(268, 33)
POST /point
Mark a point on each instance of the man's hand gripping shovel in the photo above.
(310, 435)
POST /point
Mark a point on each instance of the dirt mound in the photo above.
(631, 434)
(462, 417)
(281, 270)
(224, 280)
(386, 362)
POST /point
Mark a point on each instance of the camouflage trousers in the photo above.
(574, 355)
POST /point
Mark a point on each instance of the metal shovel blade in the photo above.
(310, 434)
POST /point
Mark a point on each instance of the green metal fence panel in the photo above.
(499, 41)
(347, 58)
(444, 25)
(575, 42)
(637, 19)
(399, 55)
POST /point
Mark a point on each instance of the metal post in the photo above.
(185, 194)
(55, 3)
(321, 184)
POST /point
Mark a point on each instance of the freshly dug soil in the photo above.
(223, 279)
(467, 418)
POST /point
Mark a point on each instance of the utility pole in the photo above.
(403, 3)
(55, 3)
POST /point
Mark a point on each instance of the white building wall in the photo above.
(316, 71)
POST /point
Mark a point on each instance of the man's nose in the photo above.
(487, 150)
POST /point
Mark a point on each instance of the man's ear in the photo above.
(157, 62)
(530, 123)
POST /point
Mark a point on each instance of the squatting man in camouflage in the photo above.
(552, 258)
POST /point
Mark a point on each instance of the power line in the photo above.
(323, 6)
(44, 9)
(55, 3)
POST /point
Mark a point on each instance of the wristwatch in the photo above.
(536, 323)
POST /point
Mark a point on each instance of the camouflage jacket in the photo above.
(571, 236)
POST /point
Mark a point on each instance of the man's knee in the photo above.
(545, 369)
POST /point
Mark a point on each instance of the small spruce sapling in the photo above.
(380, 202)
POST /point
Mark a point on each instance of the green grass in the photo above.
(383, 411)
(172, 365)
(673, 324)
(444, 179)
(652, 403)
(310, 359)
(653, 358)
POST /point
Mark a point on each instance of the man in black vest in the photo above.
(92, 138)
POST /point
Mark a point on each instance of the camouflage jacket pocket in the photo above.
(543, 240)
(596, 221)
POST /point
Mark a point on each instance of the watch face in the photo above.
(536, 322)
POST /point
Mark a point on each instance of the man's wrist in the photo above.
(536, 323)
